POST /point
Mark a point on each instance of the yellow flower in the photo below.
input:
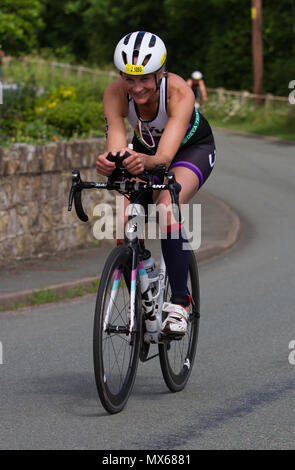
(51, 105)
(67, 93)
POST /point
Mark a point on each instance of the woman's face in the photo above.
(140, 88)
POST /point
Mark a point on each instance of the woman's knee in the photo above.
(166, 212)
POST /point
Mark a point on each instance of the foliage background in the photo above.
(213, 36)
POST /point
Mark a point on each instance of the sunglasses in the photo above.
(145, 135)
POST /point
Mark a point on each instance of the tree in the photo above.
(65, 31)
(20, 23)
(109, 20)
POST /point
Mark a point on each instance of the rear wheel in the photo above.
(177, 356)
(115, 352)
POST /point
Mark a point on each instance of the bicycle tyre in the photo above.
(176, 376)
(113, 384)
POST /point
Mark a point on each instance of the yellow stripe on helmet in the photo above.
(163, 58)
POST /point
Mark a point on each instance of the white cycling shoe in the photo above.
(176, 321)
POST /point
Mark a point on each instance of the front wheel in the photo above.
(115, 352)
(177, 356)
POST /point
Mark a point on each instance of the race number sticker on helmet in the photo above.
(134, 69)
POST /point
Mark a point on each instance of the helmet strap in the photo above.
(158, 82)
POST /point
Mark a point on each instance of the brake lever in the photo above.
(75, 181)
(174, 189)
(175, 186)
(75, 193)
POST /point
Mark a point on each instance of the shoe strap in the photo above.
(179, 311)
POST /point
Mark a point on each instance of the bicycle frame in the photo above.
(138, 268)
(131, 235)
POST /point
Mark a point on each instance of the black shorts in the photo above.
(199, 157)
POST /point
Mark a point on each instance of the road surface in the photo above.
(242, 389)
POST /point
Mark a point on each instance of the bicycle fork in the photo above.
(123, 329)
(129, 329)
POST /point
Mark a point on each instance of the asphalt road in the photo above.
(242, 389)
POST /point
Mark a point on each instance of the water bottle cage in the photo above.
(154, 280)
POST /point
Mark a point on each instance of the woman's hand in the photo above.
(135, 163)
(103, 166)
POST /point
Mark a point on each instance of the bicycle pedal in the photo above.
(176, 336)
(165, 337)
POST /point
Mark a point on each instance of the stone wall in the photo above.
(34, 188)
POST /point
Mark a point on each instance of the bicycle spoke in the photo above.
(116, 362)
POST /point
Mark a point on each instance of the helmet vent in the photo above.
(146, 59)
(138, 40)
(126, 40)
(152, 41)
(124, 57)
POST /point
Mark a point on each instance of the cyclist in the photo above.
(167, 130)
(197, 84)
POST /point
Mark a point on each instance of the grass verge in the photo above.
(275, 120)
(45, 296)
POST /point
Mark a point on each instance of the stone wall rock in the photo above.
(34, 188)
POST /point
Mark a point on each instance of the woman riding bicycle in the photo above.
(167, 130)
(196, 83)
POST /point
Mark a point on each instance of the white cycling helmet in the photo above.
(196, 75)
(150, 51)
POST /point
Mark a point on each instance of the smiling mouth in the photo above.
(140, 95)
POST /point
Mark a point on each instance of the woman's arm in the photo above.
(203, 90)
(113, 107)
(181, 102)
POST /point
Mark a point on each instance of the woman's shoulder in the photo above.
(178, 89)
(115, 96)
(115, 86)
(177, 85)
(176, 80)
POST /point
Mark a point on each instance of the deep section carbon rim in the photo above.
(177, 356)
(115, 352)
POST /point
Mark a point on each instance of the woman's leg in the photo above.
(173, 236)
(175, 256)
(192, 166)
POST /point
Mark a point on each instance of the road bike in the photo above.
(128, 312)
